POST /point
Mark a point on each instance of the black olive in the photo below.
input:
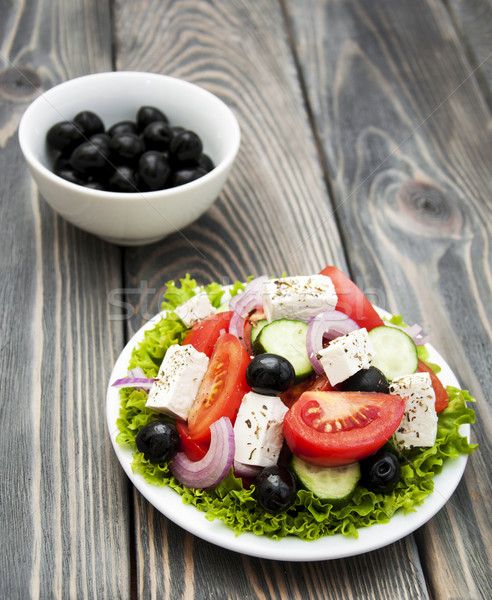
(62, 161)
(275, 489)
(158, 441)
(380, 472)
(149, 114)
(183, 176)
(95, 185)
(366, 380)
(158, 136)
(71, 175)
(122, 127)
(89, 122)
(64, 136)
(123, 179)
(205, 162)
(270, 374)
(126, 148)
(101, 139)
(154, 170)
(186, 148)
(89, 157)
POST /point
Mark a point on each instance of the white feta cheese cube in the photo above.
(195, 309)
(345, 355)
(258, 430)
(176, 385)
(418, 426)
(298, 298)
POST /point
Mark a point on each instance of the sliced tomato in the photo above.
(194, 450)
(314, 383)
(442, 398)
(222, 388)
(205, 333)
(249, 324)
(351, 300)
(328, 429)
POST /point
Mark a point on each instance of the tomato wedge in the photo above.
(314, 383)
(329, 429)
(222, 388)
(194, 450)
(352, 301)
(205, 333)
(442, 398)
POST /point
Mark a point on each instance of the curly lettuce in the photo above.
(309, 518)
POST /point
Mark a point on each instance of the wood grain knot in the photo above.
(19, 83)
(429, 209)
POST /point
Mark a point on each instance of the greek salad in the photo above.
(288, 406)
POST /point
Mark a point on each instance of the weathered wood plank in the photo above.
(472, 20)
(63, 510)
(405, 133)
(279, 219)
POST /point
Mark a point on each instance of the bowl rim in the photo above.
(36, 164)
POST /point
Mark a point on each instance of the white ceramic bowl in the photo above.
(127, 218)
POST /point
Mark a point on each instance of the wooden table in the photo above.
(366, 143)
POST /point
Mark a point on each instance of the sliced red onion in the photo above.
(243, 470)
(414, 332)
(214, 466)
(329, 325)
(142, 383)
(241, 302)
(244, 303)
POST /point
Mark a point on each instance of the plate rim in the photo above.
(292, 549)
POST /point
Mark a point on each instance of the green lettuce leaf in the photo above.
(309, 518)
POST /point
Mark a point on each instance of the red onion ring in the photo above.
(414, 332)
(243, 470)
(328, 324)
(143, 383)
(244, 303)
(214, 466)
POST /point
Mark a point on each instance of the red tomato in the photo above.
(194, 450)
(204, 334)
(351, 300)
(442, 398)
(314, 383)
(222, 388)
(328, 429)
(251, 321)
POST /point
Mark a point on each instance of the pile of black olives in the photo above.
(146, 155)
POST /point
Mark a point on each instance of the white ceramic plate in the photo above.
(169, 503)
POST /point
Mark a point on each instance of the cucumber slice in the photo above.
(335, 484)
(255, 331)
(286, 338)
(223, 307)
(395, 351)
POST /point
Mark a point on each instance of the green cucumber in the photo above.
(223, 307)
(286, 338)
(255, 331)
(395, 353)
(334, 484)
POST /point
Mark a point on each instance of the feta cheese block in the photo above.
(258, 430)
(195, 309)
(345, 355)
(418, 426)
(176, 385)
(298, 298)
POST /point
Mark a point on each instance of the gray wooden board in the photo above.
(405, 133)
(64, 522)
(412, 159)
